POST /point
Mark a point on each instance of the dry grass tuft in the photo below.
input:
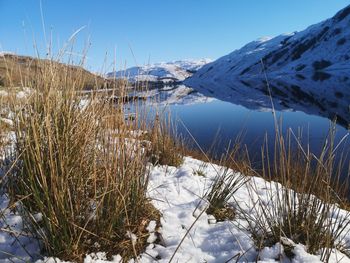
(78, 169)
(166, 148)
(301, 199)
(223, 188)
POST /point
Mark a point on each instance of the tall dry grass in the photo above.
(166, 146)
(302, 199)
(303, 196)
(81, 175)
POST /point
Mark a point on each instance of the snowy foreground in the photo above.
(176, 192)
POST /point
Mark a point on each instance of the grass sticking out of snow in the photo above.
(301, 202)
(226, 183)
(80, 180)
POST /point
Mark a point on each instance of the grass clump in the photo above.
(201, 170)
(300, 205)
(233, 174)
(166, 148)
(225, 184)
(78, 170)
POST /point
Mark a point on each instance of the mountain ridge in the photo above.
(177, 70)
(320, 47)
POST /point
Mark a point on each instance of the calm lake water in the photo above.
(221, 122)
(218, 114)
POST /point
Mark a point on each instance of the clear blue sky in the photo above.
(155, 30)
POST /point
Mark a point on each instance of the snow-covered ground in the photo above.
(163, 71)
(185, 227)
(19, 92)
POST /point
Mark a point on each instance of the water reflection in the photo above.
(322, 95)
(218, 113)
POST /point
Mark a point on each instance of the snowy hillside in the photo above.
(321, 47)
(175, 71)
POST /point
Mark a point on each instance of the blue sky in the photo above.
(155, 30)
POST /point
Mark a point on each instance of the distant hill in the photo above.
(164, 71)
(16, 70)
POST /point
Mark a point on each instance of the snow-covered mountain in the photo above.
(173, 71)
(3, 53)
(321, 47)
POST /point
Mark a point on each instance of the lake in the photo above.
(216, 115)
